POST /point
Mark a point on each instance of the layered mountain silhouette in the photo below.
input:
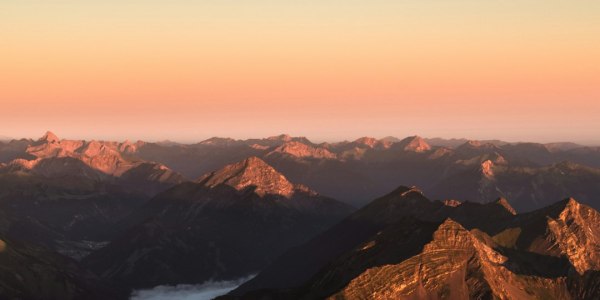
(98, 219)
(529, 174)
(404, 246)
(50, 156)
(229, 223)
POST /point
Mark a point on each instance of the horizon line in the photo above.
(312, 140)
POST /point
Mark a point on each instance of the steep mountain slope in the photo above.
(28, 271)
(229, 223)
(413, 144)
(69, 214)
(566, 229)
(415, 248)
(251, 172)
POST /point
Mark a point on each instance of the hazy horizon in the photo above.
(314, 140)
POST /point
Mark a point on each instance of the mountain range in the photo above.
(352, 172)
(530, 175)
(100, 219)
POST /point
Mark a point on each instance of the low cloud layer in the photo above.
(205, 291)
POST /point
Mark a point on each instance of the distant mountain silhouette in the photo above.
(359, 170)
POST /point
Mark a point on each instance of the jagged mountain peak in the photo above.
(449, 223)
(286, 138)
(130, 147)
(413, 144)
(567, 228)
(567, 204)
(450, 234)
(298, 149)
(405, 191)
(572, 203)
(103, 156)
(93, 148)
(572, 206)
(282, 137)
(49, 137)
(576, 231)
(504, 203)
(454, 254)
(403, 201)
(371, 142)
(367, 141)
(475, 144)
(390, 139)
(251, 172)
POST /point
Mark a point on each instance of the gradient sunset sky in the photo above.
(330, 70)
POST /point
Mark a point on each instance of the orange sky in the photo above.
(330, 69)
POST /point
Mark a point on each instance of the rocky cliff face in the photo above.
(456, 264)
(575, 232)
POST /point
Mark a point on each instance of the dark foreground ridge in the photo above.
(404, 246)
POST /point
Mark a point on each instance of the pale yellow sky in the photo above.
(330, 70)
